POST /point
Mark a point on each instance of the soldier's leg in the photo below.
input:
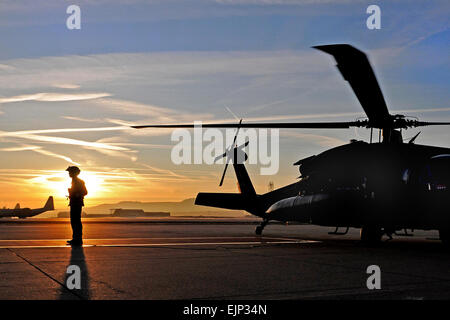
(75, 220)
(72, 221)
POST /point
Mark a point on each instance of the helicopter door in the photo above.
(436, 174)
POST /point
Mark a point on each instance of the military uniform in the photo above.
(76, 196)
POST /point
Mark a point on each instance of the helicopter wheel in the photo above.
(444, 235)
(260, 228)
(371, 234)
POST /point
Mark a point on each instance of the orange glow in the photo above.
(58, 183)
(94, 183)
(106, 185)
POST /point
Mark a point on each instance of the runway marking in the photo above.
(258, 241)
(204, 243)
(155, 238)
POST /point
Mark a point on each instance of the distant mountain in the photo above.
(181, 208)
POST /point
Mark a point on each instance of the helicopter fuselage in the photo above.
(393, 186)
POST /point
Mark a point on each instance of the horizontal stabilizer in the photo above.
(233, 201)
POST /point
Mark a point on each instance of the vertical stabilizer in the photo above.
(49, 205)
(245, 184)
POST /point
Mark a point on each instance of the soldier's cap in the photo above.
(73, 169)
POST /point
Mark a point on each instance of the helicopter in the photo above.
(380, 187)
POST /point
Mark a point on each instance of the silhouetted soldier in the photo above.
(76, 196)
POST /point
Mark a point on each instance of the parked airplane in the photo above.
(23, 213)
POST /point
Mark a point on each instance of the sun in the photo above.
(58, 182)
(94, 183)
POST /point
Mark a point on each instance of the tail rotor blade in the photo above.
(223, 155)
(235, 136)
(229, 152)
(223, 175)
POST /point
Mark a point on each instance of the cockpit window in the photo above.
(406, 175)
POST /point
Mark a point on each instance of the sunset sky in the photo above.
(68, 96)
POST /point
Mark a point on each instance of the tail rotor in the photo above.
(234, 153)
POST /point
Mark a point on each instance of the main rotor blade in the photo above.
(425, 123)
(355, 68)
(279, 125)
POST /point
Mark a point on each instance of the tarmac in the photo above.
(217, 259)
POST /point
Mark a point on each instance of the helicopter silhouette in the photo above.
(380, 187)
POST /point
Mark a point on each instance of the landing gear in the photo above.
(371, 234)
(260, 228)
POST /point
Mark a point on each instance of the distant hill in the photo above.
(181, 208)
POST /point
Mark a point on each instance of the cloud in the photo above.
(62, 130)
(83, 119)
(136, 108)
(53, 97)
(321, 140)
(5, 67)
(284, 2)
(41, 151)
(164, 172)
(55, 155)
(23, 148)
(153, 69)
(61, 140)
(66, 86)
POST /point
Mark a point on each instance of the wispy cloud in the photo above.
(5, 67)
(321, 140)
(132, 107)
(84, 119)
(66, 86)
(55, 155)
(22, 148)
(53, 97)
(61, 130)
(61, 140)
(41, 151)
(283, 2)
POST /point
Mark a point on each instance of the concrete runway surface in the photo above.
(214, 259)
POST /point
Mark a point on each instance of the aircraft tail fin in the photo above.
(17, 206)
(49, 205)
(246, 200)
(244, 183)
